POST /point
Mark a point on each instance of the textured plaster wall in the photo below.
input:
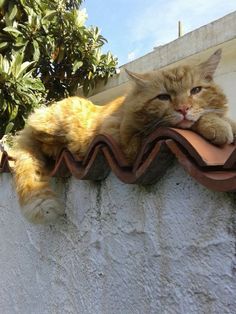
(168, 248)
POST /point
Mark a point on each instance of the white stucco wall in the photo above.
(124, 249)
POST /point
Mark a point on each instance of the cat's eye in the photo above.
(196, 90)
(163, 97)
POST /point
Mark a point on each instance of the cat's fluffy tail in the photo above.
(38, 202)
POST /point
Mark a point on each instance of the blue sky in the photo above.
(134, 27)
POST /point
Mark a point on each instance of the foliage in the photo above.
(46, 53)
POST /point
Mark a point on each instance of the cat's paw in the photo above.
(43, 211)
(220, 134)
(233, 126)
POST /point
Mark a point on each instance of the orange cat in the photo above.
(183, 97)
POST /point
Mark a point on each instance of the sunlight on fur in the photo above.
(183, 97)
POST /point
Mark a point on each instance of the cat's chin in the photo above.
(185, 124)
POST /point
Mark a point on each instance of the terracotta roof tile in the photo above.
(212, 166)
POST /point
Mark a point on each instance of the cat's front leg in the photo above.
(130, 146)
(129, 140)
(215, 129)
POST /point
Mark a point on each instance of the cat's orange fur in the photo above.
(184, 97)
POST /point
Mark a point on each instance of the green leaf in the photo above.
(1, 61)
(29, 74)
(34, 83)
(49, 14)
(21, 42)
(24, 66)
(13, 12)
(12, 30)
(3, 45)
(3, 104)
(5, 65)
(16, 64)
(90, 75)
(9, 127)
(77, 64)
(80, 17)
(14, 113)
(2, 2)
(36, 54)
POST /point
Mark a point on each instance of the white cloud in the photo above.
(131, 55)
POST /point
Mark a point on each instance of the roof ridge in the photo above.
(210, 165)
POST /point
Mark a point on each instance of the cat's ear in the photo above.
(208, 67)
(138, 78)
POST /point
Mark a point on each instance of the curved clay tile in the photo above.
(217, 180)
(212, 166)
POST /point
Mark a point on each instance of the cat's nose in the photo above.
(183, 109)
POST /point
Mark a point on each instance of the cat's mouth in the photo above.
(185, 124)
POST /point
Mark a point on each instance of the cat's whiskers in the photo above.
(198, 112)
(153, 125)
(167, 119)
(209, 110)
(206, 110)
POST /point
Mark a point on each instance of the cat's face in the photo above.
(179, 96)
